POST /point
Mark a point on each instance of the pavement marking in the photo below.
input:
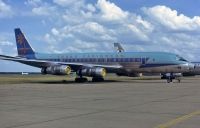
(178, 120)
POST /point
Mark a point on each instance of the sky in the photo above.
(62, 26)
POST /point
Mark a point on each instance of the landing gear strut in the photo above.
(169, 80)
(80, 78)
(178, 79)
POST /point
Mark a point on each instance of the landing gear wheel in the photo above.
(169, 80)
(97, 79)
(179, 80)
(81, 80)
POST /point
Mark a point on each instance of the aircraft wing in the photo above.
(4, 56)
(45, 63)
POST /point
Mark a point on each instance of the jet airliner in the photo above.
(96, 65)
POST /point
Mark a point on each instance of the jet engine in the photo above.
(93, 72)
(57, 70)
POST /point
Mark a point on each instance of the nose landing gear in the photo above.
(171, 76)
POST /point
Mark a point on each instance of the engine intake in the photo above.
(93, 72)
(57, 70)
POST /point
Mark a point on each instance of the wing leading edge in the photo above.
(43, 63)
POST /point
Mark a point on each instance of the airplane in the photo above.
(97, 64)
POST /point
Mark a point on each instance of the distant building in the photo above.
(25, 73)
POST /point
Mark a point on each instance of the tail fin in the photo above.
(23, 47)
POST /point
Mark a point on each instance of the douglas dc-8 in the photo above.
(96, 65)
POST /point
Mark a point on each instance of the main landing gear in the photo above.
(84, 79)
(81, 79)
(169, 80)
(96, 74)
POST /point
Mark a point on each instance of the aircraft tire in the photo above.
(169, 80)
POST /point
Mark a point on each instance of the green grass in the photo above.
(48, 79)
(17, 79)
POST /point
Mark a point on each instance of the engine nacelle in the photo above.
(57, 70)
(93, 72)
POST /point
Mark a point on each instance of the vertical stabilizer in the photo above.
(23, 47)
(118, 47)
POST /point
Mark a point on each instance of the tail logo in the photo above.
(20, 39)
(23, 47)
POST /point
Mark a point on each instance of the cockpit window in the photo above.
(181, 58)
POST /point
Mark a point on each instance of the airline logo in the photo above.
(20, 39)
(22, 43)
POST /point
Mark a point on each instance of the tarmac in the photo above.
(110, 104)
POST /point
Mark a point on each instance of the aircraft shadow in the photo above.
(105, 81)
(73, 82)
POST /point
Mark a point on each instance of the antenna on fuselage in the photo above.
(118, 47)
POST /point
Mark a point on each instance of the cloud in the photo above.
(87, 32)
(92, 32)
(5, 39)
(6, 43)
(33, 2)
(101, 24)
(171, 19)
(5, 10)
(40, 8)
(65, 3)
(44, 10)
(110, 11)
(85, 27)
(91, 8)
(55, 32)
(49, 39)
